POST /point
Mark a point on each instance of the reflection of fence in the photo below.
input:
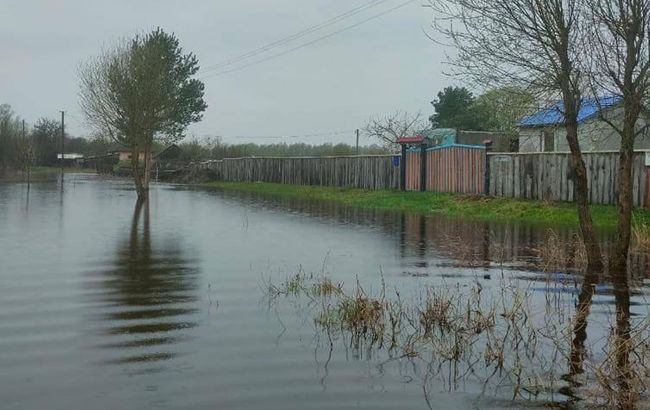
(548, 176)
(368, 172)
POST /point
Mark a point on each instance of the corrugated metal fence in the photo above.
(451, 168)
(456, 168)
(413, 176)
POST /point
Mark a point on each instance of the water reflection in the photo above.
(426, 243)
(617, 376)
(438, 246)
(622, 346)
(151, 292)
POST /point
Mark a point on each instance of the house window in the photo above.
(548, 141)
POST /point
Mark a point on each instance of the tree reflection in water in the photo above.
(152, 294)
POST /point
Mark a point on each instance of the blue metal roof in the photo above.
(554, 115)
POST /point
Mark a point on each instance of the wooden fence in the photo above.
(548, 176)
(367, 172)
(456, 169)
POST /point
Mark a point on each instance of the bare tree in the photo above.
(535, 45)
(25, 156)
(10, 125)
(388, 129)
(141, 91)
(621, 68)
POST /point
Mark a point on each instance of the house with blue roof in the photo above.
(544, 131)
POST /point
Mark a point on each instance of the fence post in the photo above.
(423, 167)
(402, 169)
(646, 173)
(486, 169)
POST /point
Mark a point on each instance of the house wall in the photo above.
(530, 139)
(500, 141)
(593, 134)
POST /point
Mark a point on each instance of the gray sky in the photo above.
(334, 85)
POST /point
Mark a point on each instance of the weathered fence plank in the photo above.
(548, 176)
(367, 172)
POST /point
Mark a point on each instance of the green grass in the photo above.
(428, 203)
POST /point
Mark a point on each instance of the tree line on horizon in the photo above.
(24, 145)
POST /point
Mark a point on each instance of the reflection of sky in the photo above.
(179, 317)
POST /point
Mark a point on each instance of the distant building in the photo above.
(70, 159)
(544, 131)
(126, 154)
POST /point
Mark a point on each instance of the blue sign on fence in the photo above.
(396, 160)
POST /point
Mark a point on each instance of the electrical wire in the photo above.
(295, 36)
(308, 43)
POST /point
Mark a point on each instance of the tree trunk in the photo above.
(138, 175)
(618, 262)
(147, 168)
(594, 257)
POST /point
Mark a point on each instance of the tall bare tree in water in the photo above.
(621, 67)
(141, 91)
(538, 46)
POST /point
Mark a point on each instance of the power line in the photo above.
(294, 36)
(310, 42)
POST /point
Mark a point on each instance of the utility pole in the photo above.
(23, 129)
(62, 138)
(357, 141)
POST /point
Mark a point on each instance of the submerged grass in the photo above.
(428, 203)
(495, 337)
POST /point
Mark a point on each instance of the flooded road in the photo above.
(105, 304)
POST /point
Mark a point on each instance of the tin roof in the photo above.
(410, 140)
(553, 115)
(436, 136)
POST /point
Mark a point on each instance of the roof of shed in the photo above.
(554, 115)
(409, 140)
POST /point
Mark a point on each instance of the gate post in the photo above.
(402, 169)
(423, 167)
(486, 168)
(646, 172)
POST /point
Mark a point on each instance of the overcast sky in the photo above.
(334, 85)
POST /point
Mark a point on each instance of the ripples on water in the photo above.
(105, 304)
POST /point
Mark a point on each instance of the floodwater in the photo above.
(107, 305)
